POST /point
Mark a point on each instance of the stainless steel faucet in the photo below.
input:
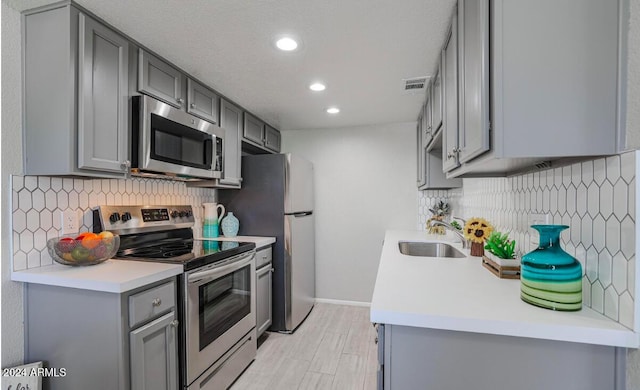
(456, 231)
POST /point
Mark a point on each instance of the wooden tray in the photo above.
(503, 272)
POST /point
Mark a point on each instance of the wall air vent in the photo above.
(415, 84)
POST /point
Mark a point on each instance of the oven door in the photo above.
(220, 310)
(172, 141)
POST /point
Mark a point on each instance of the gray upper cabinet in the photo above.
(231, 122)
(253, 129)
(449, 76)
(271, 139)
(473, 61)
(75, 95)
(427, 119)
(436, 101)
(420, 149)
(202, 102)
(159, 79)
(534, 88)
(103, 97)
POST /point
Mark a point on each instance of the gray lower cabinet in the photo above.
(264, 272)
(159, 79)
(202, 102)
(105, 341)
(422, 358)
(154, 356)
(75, 95)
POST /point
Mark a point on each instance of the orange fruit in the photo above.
(90, 240)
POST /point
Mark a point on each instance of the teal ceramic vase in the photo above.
(230, 225)
(550, 277)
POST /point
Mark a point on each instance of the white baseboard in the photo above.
(341, 302)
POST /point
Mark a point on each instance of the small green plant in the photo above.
(456, 225)
(500, 245)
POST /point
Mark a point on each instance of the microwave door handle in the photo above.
(208, 152)
(202, 277)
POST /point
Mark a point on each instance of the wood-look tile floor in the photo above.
(333, 348)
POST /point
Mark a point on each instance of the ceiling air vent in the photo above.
(415, 84)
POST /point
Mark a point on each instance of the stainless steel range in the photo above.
(217, 302)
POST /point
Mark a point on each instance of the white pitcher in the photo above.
(211, 215)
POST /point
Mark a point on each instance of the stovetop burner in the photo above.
(191, 253)
(162, 234)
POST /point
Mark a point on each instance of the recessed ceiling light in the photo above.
(317, 87)
(286, 44)
(333, 110)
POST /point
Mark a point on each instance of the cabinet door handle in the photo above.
(180, 101)
(272, 270)
(156, 302)
(175, 323)
(193, 105)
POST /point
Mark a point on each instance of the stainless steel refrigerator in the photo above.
(276, 200)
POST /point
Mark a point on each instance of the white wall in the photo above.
(364, 184)
(12, 328)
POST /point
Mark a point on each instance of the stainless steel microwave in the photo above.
(167, 141)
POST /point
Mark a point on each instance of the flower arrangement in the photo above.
(500, 245)
(477, 230)
(438, 212)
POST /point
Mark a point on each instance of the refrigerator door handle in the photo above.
(300, 214)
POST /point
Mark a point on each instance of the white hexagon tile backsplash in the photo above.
(38, 201)
(595, 198)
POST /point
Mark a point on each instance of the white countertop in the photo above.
(114, 276)
(259, 241)
(461, 295)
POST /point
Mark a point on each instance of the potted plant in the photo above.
(476, 231)
(501, 250)
(438, 212)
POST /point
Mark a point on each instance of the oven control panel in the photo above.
(134, 219)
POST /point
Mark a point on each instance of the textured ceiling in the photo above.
(361, 49)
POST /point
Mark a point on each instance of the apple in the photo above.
(66, 245)
(100, 252)
(106, 236)
(80, 253)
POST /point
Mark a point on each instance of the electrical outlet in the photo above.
(537, 219)
(69, 221)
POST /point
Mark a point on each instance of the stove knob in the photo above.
(115, 217)
(174, 214)
(188, 213)
(126, 216)
(182, 214)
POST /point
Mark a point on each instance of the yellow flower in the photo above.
(477, 230)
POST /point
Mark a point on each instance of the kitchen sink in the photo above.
(429, 249)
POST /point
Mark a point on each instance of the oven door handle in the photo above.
(203, 277)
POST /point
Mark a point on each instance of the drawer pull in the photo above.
(174, 323)
(156, 302)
